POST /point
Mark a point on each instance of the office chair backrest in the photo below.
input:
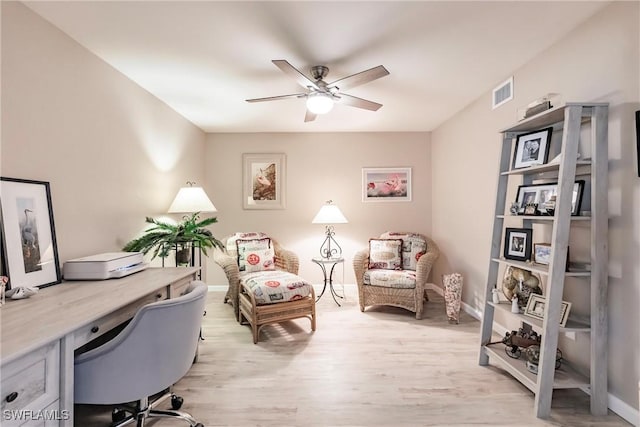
(151, 353)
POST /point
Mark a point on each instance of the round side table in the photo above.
(328, 265)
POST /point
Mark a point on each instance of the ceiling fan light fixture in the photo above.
(319, 103)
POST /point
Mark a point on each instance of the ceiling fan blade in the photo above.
(309, 116)
(353, 101)
(290, 70)
(277, 98)
(360, 78)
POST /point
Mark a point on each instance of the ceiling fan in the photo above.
(321, 95)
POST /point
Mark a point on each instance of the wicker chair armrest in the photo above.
(287, 260)
(426, 261)
(230, 266)
(224, 260)
(360, 265)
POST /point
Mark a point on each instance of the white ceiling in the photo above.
(204, 58)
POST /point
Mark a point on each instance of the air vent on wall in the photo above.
(503, 93)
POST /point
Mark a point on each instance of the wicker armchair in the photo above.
(242, 293)
(400, 288)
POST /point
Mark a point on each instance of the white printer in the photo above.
(111, 265)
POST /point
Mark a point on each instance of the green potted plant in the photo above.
(165, 237)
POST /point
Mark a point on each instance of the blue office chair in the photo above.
(151, 353)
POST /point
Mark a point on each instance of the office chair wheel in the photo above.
(176, 402)
(118, 415)
(199, 425)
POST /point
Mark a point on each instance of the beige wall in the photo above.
(320, 167)
(596, 62)
(112, 152)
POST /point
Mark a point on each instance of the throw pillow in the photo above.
(413, 247)
(231, 241)
(255, 255)
(385, 254)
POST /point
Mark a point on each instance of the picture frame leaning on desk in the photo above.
(28, 237)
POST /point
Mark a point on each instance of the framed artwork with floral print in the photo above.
(386, 184)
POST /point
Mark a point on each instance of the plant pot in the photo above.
(183, 256)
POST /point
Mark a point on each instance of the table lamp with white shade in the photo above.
(330, 214)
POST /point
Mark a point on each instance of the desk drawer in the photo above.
(178, 288)
(29, 384)
(103, 325)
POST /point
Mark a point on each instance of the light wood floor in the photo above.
(378, 368)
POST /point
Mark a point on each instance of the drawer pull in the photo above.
(11, 396)
(95, 329)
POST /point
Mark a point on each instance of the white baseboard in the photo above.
(626, 411)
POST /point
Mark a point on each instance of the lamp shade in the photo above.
(329, 214)
(191, 199)
(319, 103)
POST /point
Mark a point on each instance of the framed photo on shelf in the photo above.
(535, 308)
(542, 253)
(532, 148)
(30, 252)
(542, 193)
(531, 209)
(386, 184)
(517, 243)
(264, 181)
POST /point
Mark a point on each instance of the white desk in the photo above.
(39, 335)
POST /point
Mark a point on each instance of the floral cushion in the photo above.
(270, 287)
(385, 254)
(413, 247)
(402, 279)
(231, 241)
(255, 255)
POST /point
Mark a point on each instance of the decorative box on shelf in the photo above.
(544, 103)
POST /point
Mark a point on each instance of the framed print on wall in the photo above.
(386, 184)
(264, 181)
(517, 243)
(30, 252)
(532, 148)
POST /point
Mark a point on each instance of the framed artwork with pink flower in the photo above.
(264, 181)
(386, 184)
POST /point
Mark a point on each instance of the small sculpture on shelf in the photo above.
(523, 338)
(520, 283)
(514, 304)
(514, 208)
(495, 295)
